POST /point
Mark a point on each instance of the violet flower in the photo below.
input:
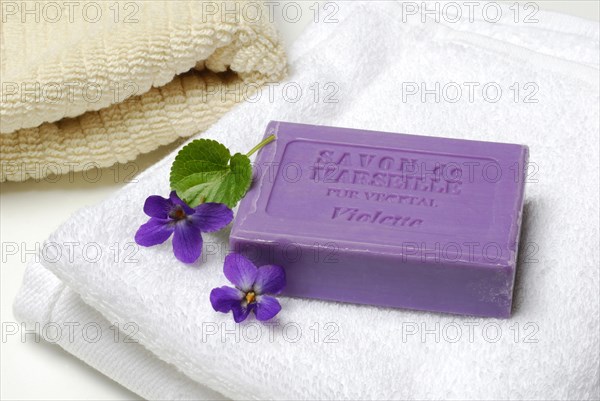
(251, 286)
(174, 216)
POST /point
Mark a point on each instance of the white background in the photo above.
(30, 211)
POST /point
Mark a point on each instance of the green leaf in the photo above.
(205, 171)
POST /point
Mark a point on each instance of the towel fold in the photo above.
(371, 69)
(110, 81)
(63, 318)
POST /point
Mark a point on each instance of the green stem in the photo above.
(265, 141)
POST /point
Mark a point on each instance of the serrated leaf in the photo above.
(204, 170)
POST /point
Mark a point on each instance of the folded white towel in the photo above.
(64, 319)
(324, 350)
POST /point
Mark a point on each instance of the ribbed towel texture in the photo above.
(366, 63)
(102, 82)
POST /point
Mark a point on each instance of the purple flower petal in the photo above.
(269, 280)
(177, 201)
(157, 206)
(224, 298)
(212, 216)
(266, 307)
(240, 271)
(154, 232)
(187, 242)
(241, 312)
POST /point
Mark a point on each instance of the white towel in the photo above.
(62, 317)
(325, 350)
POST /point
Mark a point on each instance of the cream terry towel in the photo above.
(96, 83)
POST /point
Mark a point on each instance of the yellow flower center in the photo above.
(250, 297)
(179, 214)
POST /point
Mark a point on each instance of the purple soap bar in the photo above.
(387, 219)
